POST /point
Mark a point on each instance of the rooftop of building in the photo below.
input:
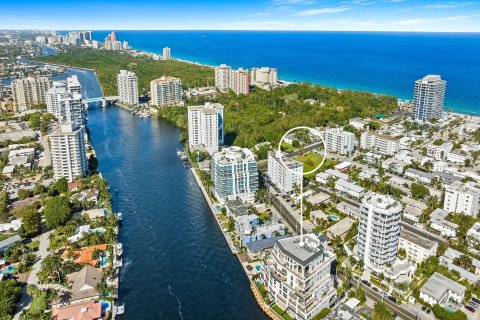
(416, 239)
(381, 201)
(164, 79)
(233, 154)
(437, 285)
(312, 248)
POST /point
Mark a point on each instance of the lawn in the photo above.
(286, 147)
(282, 313)
(310, 161)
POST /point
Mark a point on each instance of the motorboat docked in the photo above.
(119, 249)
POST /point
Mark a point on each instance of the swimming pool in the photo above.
(258, 268)
(10, 269)
(103, 261)
(449, 309)
(106, 305)
(333, 217)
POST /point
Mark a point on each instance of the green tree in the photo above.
(419, 191)
(92, 163)
(380, 312)
(57, 212)
(23, 193)
(31, 222)
(9, 296)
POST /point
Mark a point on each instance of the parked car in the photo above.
(473, 304)
(476, 300)
(428, 311)
(365, 282)
(471, 309)
(424, 308)
(375, 289)
(392, 298)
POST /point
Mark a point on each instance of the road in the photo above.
(33, 278)
(377, 297)
(286, 214)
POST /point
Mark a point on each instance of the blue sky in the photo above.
(358, 15)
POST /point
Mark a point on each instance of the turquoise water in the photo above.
(450, 309)
(382, 62)
(103, 261)
(333, 217)
(258, 268)
(9, 270)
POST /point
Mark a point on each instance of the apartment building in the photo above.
(166, 53)
(417, 248)
(462, 198)
(283, 178)
(65, 106)
(439, 152)
(67, 146)
(29, 91)
(379, 143)
(339, 141)
(264, 75)
(379, 230)
(205, 126)
(222, 76)
(428, 97)
(166, 91)
(127, 83)
(239, 81)
(298, 276)
(234, 174)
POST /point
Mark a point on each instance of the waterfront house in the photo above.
(83, 287)
(9, 242)
(88, 310)
(85, 256)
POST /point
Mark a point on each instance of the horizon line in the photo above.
(243, 30)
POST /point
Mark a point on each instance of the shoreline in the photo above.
(338, 87)
(256, 293)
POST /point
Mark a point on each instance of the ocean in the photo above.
(381, 62)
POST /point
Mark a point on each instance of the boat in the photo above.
(119, 216)
(119, 248)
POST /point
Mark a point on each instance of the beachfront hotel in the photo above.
(67, 146)
(429, 97)
(299, 277)
(166, 53)
(127, 83)
(165, 91)
(222, 76)
(239, 81)
(284, 179)
(234, 174)
(205, 126)
(264, 75)
(378, 231)
(29, 91)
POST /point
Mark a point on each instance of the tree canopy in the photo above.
(57, 212)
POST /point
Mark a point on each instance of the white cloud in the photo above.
(313, 12)
(449, 5)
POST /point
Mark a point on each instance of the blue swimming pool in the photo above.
(450, 309)
(10, 269)
(258, 268)
(333, 217)
(103, 261)
(106, 306)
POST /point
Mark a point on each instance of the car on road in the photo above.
(394, 315)
(424, 308)
(375, 289)
(392, 298)
(428, 311)
(471, 309)
(365, 282)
